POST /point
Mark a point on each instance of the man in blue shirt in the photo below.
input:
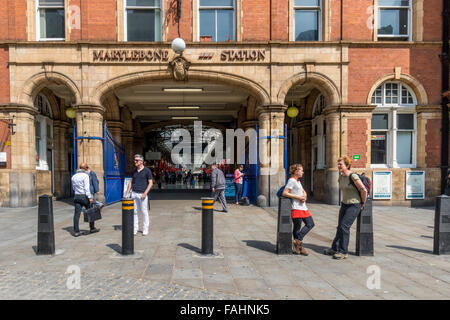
(140, 185)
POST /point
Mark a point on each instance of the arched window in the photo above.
(394, 126)
(318, 133)
(44, 133)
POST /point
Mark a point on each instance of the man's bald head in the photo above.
(84, 166)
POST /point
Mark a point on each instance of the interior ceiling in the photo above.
(149, 102)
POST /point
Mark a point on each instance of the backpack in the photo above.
(280, 192)
(365, 180)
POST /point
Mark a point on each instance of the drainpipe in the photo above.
(445, 89)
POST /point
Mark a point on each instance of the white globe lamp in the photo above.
(178, 45)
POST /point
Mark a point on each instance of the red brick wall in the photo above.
(280, 20)
(432, 24)
(13, 20)
(4, 76)
(256, 20)
(367, 65)
(433, 139)
(335, 20)
(357, 140)
(185, 23)
(99, 20)
(355, 17)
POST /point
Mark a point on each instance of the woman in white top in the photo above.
(299, 212)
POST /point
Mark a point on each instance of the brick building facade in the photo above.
(365, 76)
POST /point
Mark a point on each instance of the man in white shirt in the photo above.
(83, 197)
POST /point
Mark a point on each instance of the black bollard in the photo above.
(46, 232)
(127, 226)
(207, 225)
(284, 228)
(364, 231)
(442, 225)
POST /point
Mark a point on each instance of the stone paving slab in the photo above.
(169, 264)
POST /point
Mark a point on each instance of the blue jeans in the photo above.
(238, 191)
(301, 233)
(347, 215)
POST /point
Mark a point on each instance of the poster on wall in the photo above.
(415, 185)
(382, 185)
(126, 182)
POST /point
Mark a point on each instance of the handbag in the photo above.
(92, 213)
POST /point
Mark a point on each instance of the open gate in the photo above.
(113, 162)
(250, 187)
(114, 165)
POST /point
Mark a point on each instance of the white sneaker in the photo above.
(145, 233)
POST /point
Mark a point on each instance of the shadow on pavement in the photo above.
(117, 248)
(190, 247)
(117, 227)
(261, 245)
(315, 248)
(411, 249)
(197, 208)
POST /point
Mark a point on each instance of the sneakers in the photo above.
(329, 252)
(144, 233)
(340, 256)
(77, 234)
(94, 230)
(297, 246)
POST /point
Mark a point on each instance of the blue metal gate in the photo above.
(114, 165)
(250, 188)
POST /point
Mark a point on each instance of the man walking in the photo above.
(94, 186)
(140, 185)
(218, 184)
(83, 198)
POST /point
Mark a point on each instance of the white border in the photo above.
(382, 196)
(408, 195)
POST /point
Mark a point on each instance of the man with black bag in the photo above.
(82, 198)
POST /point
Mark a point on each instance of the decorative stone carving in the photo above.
(179, 68)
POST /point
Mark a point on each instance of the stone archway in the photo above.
(132, 79)
(322, 82)
(44, 79)
(413, 83)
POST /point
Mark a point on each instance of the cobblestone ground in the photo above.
(168, 264)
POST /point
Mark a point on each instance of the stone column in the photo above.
(61, 167)
(90, 124)
(116, 127)
(332, 149)
(20, 186)
(271, 175)
(304, 151)
(128, 142)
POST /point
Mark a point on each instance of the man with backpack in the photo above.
(354, 195)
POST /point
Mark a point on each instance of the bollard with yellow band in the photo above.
(127, 226)
(207, 225)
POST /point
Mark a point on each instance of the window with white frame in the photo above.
(142, 20)
(394, 126)
(394, 20)
(51, 21)
(44, 133)
(217, 20)
(308, 20)
(319, 133)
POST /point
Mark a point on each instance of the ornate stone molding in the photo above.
(179, 67)
(249, 124)
(270, 108)
(429, 109)
(16, 107)
(89, 108)
(349, 108)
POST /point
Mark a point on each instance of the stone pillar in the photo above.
(90, 124)
(333, 152)
(128, 142)
(61, 171)
(271, 176)
(21, 185)
(116, 127)
(304, 151)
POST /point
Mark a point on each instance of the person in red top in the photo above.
(239, 182)
(300, 212)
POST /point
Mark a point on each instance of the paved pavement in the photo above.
(168, 263)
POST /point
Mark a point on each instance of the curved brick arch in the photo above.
(413, 83)
(209, 76)
(322, 82)
(41, 80)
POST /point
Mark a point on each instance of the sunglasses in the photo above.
(136, 160)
